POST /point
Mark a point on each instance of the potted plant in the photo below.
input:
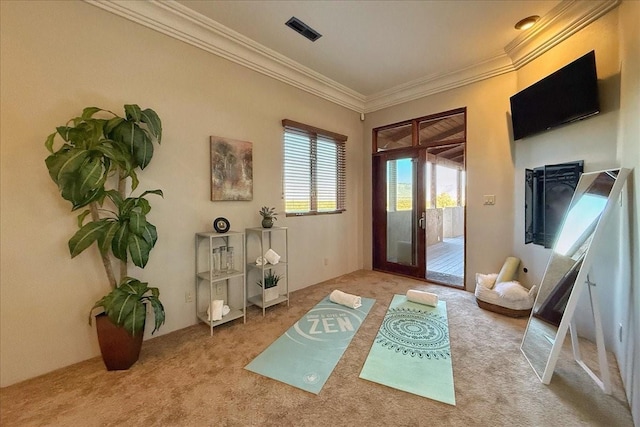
(97, 160)
(268, 216)
(270, 285)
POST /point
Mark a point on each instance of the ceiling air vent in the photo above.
(302, 28)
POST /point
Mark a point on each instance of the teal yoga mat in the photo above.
(411, 351)
(307, 353)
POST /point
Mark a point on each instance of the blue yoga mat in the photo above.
(411, 351)
(307, 353)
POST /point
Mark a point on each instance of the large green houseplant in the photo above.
(93, 167)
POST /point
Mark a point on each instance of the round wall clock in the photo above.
(221, 225)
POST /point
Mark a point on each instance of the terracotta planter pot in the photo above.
(120, 350)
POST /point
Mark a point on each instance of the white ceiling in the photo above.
(372, 54)
(375, 46)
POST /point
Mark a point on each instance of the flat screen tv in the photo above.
(569, 94)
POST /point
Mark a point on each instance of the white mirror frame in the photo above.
(580, 284)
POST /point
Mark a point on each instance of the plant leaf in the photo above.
(137, 223)
(90, 175)
(84, 237)
(115, 197)
(82, 216)
(158, 309)
(150, 235)
(139, 250)
(66, 161)
(153, 123)
(104, 241)
(112, 124)
(143, 151)
(119, 242)
(133, 112)
(49, 142)
(143, 205)
(88, 112)
(72, 191)
(157, 192)
(125, 207)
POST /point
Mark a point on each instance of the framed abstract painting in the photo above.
(231, 169)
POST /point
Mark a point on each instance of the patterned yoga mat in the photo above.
(411, 351)
(307, 353)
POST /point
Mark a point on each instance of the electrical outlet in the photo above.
(326, 261)
(188, 296)
(219, 289)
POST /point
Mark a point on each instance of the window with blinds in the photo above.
(314, 178)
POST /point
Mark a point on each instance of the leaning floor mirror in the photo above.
(566, 277)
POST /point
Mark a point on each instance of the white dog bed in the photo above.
(500, 294)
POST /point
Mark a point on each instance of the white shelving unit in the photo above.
(258, 241)
(227, 284)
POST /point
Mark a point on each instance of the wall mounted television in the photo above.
(569, 94)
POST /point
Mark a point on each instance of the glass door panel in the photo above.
(401, 189)
(398, 245)
(445, 200)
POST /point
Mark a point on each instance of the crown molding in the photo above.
(564, 20)
(499, 64)
(177, 21)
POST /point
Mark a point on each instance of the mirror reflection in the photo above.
(571, 247)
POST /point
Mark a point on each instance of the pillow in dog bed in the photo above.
(513, 291)
(486, 280)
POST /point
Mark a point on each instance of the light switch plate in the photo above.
(489, 199)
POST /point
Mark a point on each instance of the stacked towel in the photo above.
(422, 297)
(217, 309)
(342, 298)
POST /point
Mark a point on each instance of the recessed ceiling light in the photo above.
(526, 23)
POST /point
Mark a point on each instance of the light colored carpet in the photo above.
(189, 378)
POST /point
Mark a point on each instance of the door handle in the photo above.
(422, 221)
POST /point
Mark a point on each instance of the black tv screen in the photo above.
(569, 94)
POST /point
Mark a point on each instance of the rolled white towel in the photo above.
(214, 312)
(422, 297)
(272, 257)
(345, 299)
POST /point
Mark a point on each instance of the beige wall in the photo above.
(58, 57)
(490, 167)
(592, 140)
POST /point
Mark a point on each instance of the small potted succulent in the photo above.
(268, 216)
(270, 286)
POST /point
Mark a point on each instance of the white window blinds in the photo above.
(314, 170)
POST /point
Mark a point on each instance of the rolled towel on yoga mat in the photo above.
(343, 298)
(422, 297)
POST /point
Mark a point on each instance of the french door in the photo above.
(419, 197)
(399, 206)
